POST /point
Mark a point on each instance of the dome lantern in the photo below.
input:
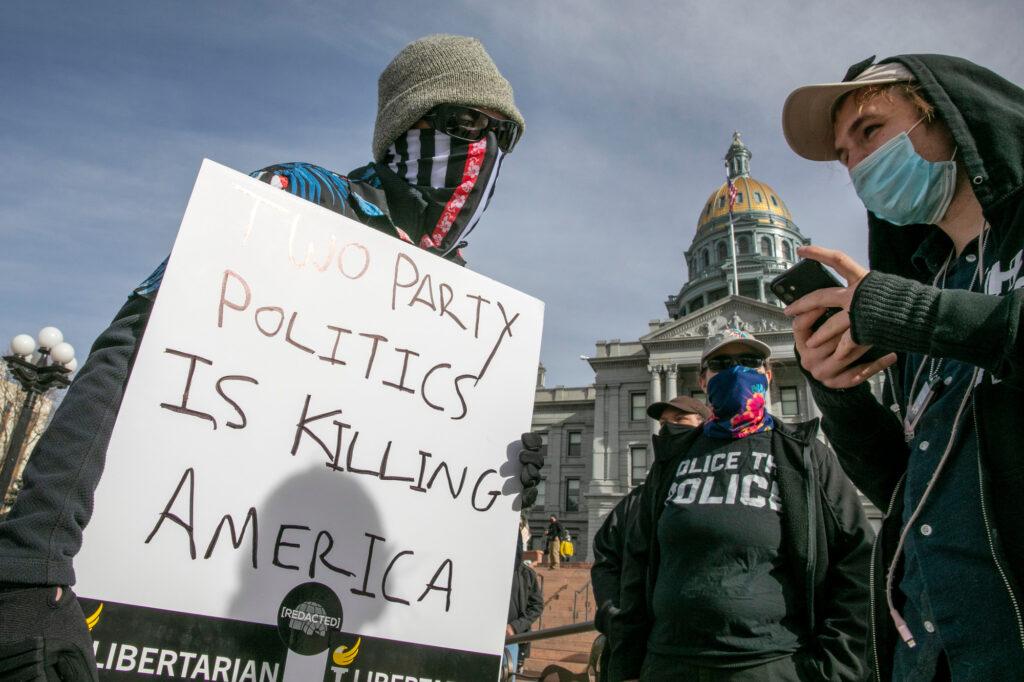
(737, 159)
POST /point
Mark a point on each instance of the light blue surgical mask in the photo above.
(903, 188)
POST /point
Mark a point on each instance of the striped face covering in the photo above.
(455, 177)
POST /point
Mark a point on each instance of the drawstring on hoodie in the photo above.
(901, 624)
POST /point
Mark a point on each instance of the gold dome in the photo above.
(753, 196)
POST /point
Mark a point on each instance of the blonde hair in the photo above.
(909, 91)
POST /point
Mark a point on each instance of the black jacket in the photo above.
(555, 531)
(606, 574)
(527, 600)
(826, 539)
(609, 547)
(896, 309)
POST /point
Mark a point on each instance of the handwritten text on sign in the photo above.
(315, 401)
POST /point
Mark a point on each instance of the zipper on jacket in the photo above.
(988, 530)
(873, 627)
(812, 527)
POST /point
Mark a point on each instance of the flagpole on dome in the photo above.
(732, 231)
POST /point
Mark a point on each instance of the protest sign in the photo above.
(313, 474)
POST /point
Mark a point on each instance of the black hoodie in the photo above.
(894, 308)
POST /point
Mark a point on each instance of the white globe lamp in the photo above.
(23, 345)
(49, 337)
(63, 353)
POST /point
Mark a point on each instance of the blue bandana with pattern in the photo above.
(737, 397)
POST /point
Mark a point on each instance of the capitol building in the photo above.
(598, 437)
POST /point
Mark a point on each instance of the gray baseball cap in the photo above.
(731, 335)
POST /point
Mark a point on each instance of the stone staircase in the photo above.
(563, 586)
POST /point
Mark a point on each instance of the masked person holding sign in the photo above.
(446, 120)
(935, 148)
(748, 557)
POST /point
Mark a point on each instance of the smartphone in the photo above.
(805, 277)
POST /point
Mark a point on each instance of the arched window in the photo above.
(723, 252)
(705, 258)
(766, 246)
(743, 244)
(787, 251)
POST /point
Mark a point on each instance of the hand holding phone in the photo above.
(800, 280)
(808, 276)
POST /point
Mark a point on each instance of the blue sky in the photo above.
(106, 110)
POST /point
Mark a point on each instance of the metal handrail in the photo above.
(586, 604)
(559, 631)
(540, 621)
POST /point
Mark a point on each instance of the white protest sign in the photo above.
(316, 445)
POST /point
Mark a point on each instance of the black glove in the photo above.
(44, 638)
(532, 460)
(604, 616)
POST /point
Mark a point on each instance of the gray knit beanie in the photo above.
(437, 69)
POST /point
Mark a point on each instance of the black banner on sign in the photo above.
(369, 659)
(133, 642)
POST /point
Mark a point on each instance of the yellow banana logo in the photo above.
(92, 620)
(344, 656)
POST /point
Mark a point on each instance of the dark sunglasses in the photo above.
(720, 363)
(466, 123)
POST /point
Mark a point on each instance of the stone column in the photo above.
(611, 447)
(655, 396)
(671, 382)
(597, 461)
(760, 290)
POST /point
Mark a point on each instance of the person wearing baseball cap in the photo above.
(682, 410)
(748, 555)
(678, 415)
(446, 120)
(934, 146)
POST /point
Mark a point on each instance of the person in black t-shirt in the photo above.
(609, 542)
(556, 531)
(748, 559)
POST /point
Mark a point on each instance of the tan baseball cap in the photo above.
(807, 113)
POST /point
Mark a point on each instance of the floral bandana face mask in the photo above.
(737, 397)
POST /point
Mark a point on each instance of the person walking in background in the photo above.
(934, 146)
(525, 606)
(554, 536)
(748, 557)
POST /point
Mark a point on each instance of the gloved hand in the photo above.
(43, 636)
(532, 460)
